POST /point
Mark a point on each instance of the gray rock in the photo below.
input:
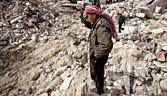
(55, 93)
(20, 25)
(150, 57)
(164, 47)
(13, 93)
(77, 66)
(163, 66)
(71, 91)
(61, 70)
(16, 19)
(165, 75)
(29, 91)
(52, 55)
(141, 15)
(72, 49)
(60, 93)
(147, 11)
(80, 68)
(118, 83)
(34, 38)
(136, 53)
(140, 73)
(82, 90)
(158, 9)
(61, 62)
(131, 29)
(158, 64)
(139, 83)
(77, 55)
(160, 55)
(161, 3)
(36, 75)
(157, 31)
(68, 59)
(28, 4)
(43, 94)
(32, 22)
(53, 84)
(65, 74)
(66, 83)
(165, 17)
(163, 85)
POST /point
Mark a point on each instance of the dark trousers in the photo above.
(97, 72)
(121, 21)
(120, 27)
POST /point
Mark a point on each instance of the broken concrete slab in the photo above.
(161, 3)
(157, 31)
(147, 11)
(66, 83)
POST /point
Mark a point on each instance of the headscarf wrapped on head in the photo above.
(92, 9)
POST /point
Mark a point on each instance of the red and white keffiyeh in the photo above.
(92, 9)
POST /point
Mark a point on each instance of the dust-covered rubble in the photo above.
(43, 50)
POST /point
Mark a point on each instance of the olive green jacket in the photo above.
(100, 39)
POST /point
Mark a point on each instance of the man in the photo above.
(121, 21)
(87, 24)
(96, 2)
(100, 38)
(109, 1)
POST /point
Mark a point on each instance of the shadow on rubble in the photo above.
(116, 84)
(119, 83)
(10, 58)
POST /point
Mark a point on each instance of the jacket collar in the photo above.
(94, 25)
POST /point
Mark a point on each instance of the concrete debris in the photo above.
(160, 3)
(35, 76)
(163, 85)
(150, 57)
(82, 90)
(66, 83)
(160, 55)
(158, 9)
(59, 71)
(149, 1)
(141, 15)
(44, 49)
(157, 31)
(147, 11)
(164, 46)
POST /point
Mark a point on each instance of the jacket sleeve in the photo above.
(104, 40)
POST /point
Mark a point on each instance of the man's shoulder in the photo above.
(103, 22)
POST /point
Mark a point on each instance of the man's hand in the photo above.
(93, 60)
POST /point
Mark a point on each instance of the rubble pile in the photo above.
(139, 58)
(43, 50)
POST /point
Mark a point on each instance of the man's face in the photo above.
(90, 17)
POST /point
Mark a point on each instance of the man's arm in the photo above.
(105, 43)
